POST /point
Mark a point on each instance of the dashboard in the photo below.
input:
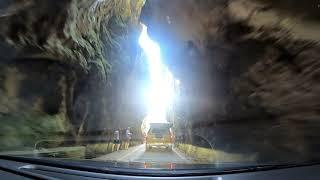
(12, 169)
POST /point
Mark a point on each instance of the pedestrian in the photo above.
(116, 140)
(128, 138)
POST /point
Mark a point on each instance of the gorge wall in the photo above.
(248, 71)
(62, 62)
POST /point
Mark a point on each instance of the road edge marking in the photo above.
(123, 157)
(183, 157)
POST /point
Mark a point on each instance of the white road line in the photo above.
(131, 153)
(181, 156)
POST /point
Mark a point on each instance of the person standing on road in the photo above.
(116, 140)
(128, 138)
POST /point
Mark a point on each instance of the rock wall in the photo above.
(248, 70)
(62, 55)
(31, 109)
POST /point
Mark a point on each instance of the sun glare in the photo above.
(161, 91)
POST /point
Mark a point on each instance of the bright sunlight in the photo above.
(161, 92)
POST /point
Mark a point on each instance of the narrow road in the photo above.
(139, 154)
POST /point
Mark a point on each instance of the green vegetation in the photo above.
(75, 152)
(98, 149)
(205, 155)
(94, 150)
(20, 131)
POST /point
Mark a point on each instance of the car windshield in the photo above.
(159, 131)
(207, 83)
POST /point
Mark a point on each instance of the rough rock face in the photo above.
(68, 30)
(248, 70)
(88, 41)
(31, 109)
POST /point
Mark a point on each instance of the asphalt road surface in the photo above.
(139, 154)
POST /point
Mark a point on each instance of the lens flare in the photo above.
(160, 94)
